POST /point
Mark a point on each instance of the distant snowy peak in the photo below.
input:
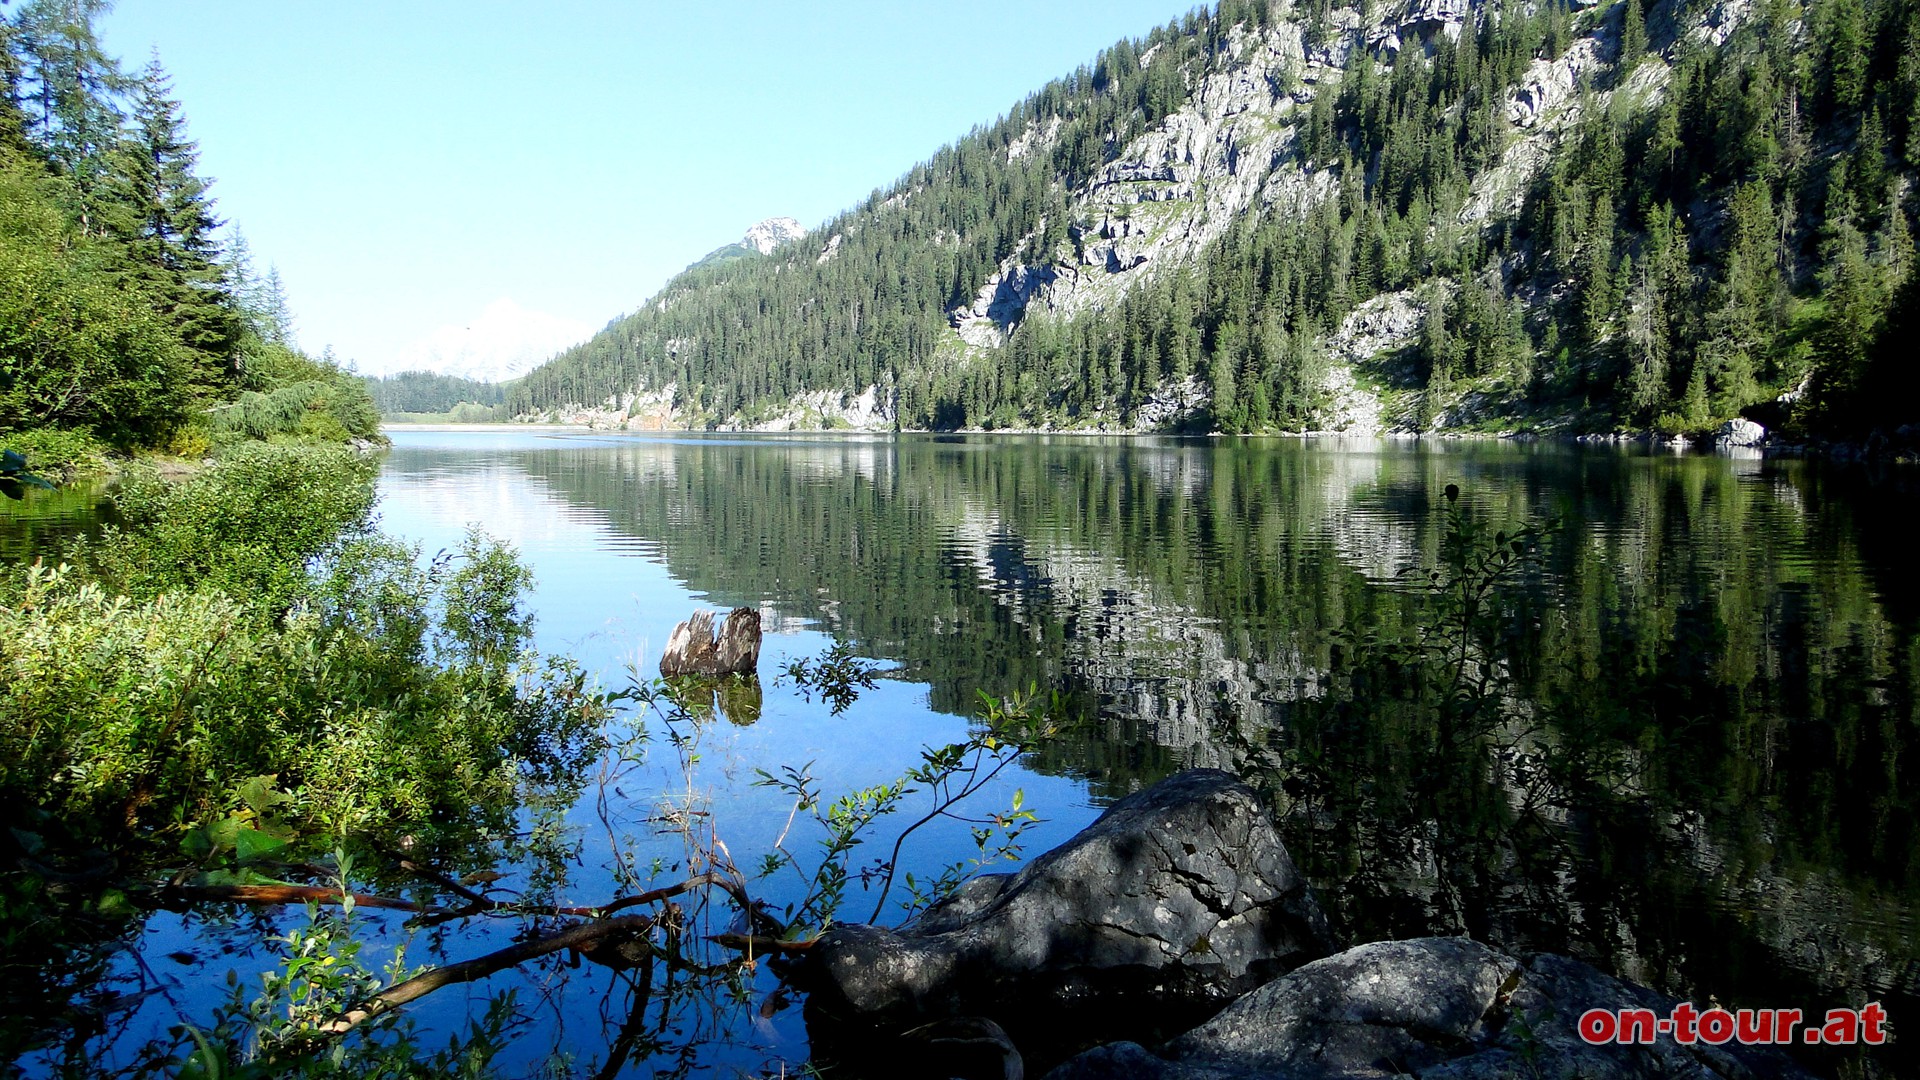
(771, 233)
(503, 342)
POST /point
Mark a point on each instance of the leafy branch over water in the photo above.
(950, 776)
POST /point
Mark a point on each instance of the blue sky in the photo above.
(415, 166)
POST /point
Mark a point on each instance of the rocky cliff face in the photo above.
(771, 233)
(1235, 150)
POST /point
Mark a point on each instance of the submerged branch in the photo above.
(400, 993)
(288, 894)
(758, 943)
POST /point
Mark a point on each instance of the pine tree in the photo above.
(1849, 52)
(276, 315)
(1868, 169)
(1890, 387)
(68, 87)
(1854, 307)
(161, 208)
(1633, 39)
(13, 122)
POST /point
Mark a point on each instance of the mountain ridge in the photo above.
(1289, 216)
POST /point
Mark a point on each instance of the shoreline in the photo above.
(1873, 449)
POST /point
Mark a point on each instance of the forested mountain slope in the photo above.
(1416, 214)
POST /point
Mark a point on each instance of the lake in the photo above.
(1698, 784)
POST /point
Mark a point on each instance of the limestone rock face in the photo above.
(1740, 432)
(1178, 899)
(1432, 1008)
(766, 235)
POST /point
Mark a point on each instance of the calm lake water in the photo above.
(1718, 676)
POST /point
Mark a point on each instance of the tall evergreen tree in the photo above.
(68, 86)
(160, 205)
(276, 315)
(13, 122)
(1633, 39)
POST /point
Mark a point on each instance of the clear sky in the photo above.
(416, 167)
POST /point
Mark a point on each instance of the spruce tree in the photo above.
(13, 122)
(1633, 38)
(68, 85)
(275, 315)
(161, 208)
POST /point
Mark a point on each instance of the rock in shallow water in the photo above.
(1434, 1008)
(1740, 432)
(1177, 900)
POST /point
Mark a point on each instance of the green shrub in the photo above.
(332, 409)
(190, 441)
(248, 524)
(394, 694)
(61, 455)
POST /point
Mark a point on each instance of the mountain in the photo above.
(1412, 215)
(502, 342)
(761, 239)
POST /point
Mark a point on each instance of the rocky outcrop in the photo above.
(1432, 1008)
(767, 235)
(1177, 900)
(1000, 304)
(1740, 432)
(665, 409)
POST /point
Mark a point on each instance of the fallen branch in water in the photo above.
(400, 993)
(758, 943)
(443, 881)
(267, 895)
(288, 894)
(670, 891)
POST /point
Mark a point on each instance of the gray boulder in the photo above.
(1177, 900)
(1434, 1008)
(1740, 432)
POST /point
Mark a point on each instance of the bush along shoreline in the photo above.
(238, 688)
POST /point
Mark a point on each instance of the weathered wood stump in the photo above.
(693, 650)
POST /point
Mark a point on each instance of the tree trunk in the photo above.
(692, 649)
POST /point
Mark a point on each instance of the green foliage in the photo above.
(81, 344)
(464, 413)
(395, 694)
(270, 1031)
(60, 454)
(947, 777)
(246, 525)
(120, 312)
(837, 675)
(330, 410)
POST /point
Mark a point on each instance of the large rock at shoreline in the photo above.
(1434, 1008)
(1177, 900)
(1740, 432)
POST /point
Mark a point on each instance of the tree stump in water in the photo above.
(693, 650)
